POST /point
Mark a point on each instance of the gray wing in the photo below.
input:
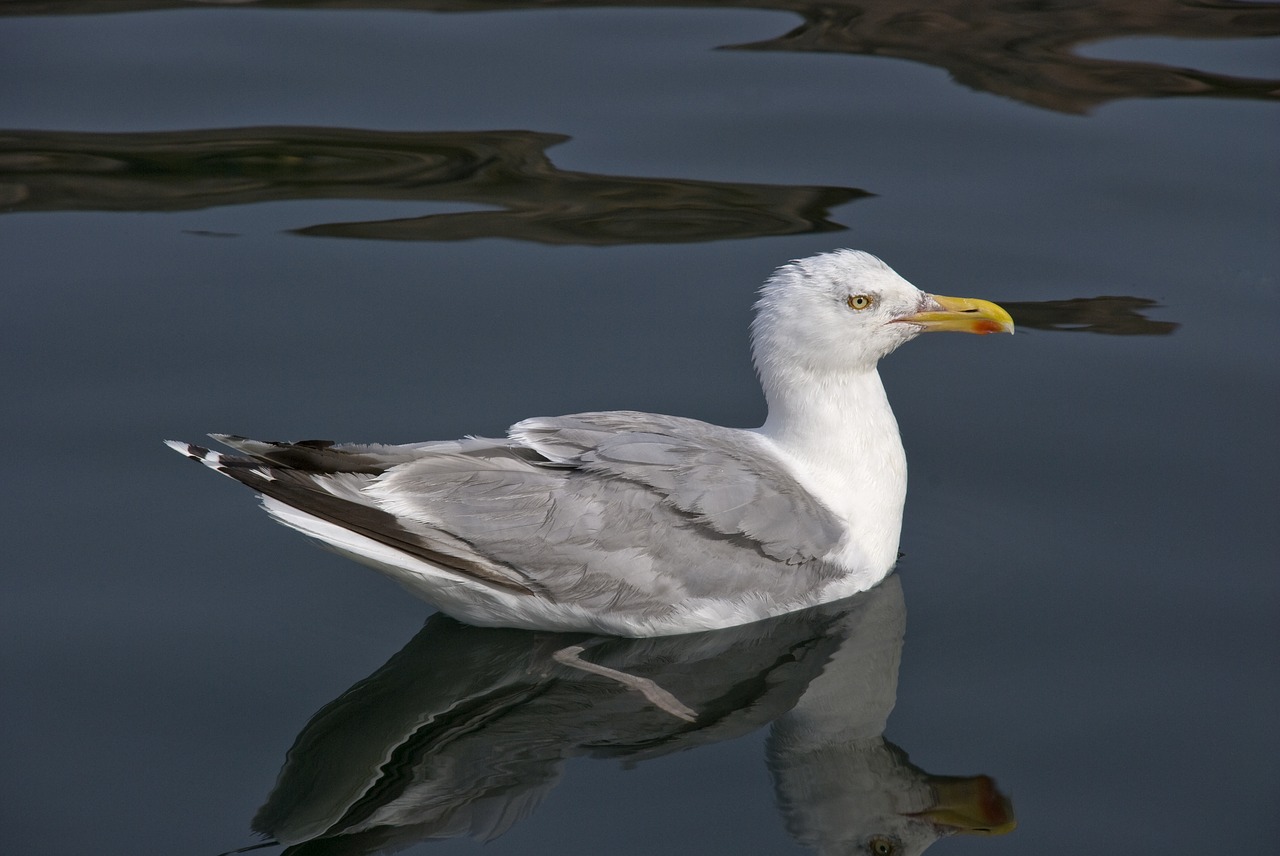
(616, 510)
(329, 481)
(728, 479)
(326, 456)
(624, 509)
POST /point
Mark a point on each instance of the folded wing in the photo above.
(729, 480)
(603, 510)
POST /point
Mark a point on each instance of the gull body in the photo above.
(638, 524)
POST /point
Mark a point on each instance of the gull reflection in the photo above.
(508, 171)
(466, 730)
(1019, 49)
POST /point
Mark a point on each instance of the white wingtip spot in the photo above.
(210, 459)
(179, 446)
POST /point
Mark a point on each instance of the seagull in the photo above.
(639, 524)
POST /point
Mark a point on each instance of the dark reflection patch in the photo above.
(1118, 316)
(507, 171)
(1018, 50)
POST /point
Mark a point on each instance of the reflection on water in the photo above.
(508, 170)
(1020, 49)
(183, 170)
(466, 730)
(1118, 316)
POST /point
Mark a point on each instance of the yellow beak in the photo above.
(963, 315)
(969, 805)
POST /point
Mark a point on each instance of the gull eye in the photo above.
(858, 302)
(880, 846)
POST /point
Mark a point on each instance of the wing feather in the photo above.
(594, 509)
(729, 479)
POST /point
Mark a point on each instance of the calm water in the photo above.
(338, 220)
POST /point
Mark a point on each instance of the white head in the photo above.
(844, 310)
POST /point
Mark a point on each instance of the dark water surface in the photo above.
(383, 222)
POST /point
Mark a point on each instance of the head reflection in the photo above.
(465, 730)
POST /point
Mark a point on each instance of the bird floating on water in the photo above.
(638, 524)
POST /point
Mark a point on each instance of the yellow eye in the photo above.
(858, 301)
(880, 846)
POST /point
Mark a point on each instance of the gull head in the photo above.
(844, 310)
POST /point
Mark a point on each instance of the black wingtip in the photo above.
(190, 450)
